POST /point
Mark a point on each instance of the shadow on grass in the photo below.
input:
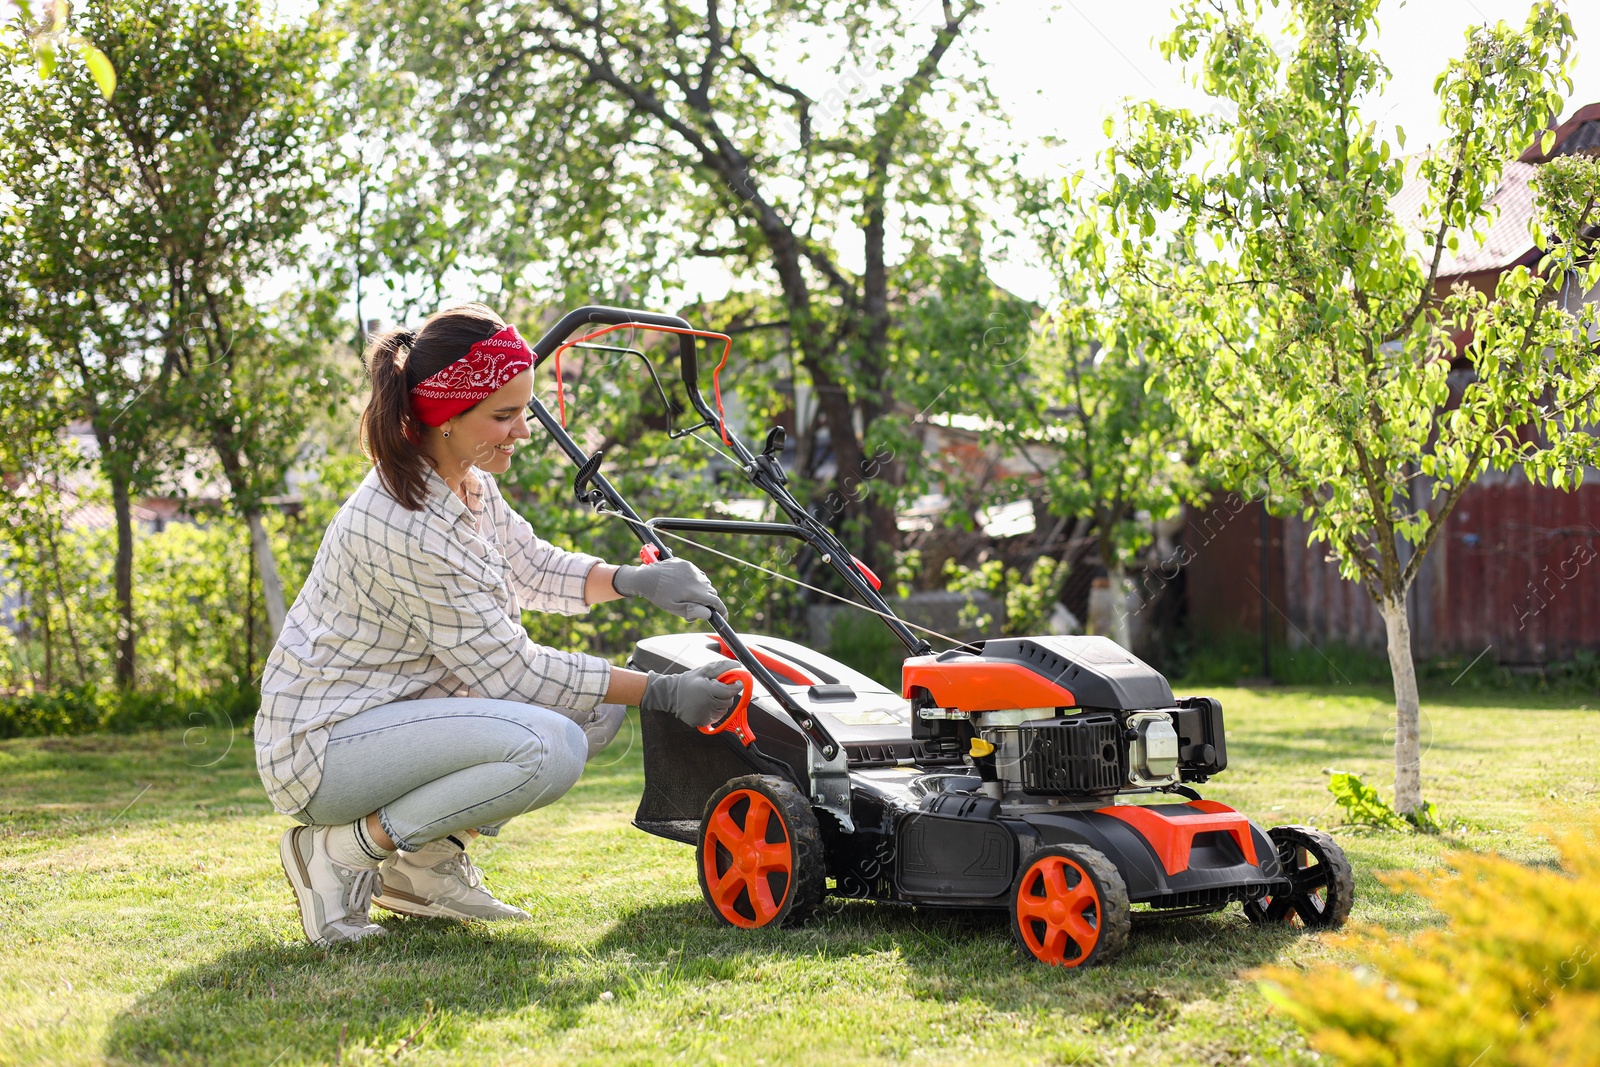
(282, 1004)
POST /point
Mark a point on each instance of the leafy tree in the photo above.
(136, 226)
(1073, 396)
(1123, 449)
(588, 150)
(1312, 351)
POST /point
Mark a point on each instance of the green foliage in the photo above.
(191, 608)
(139, 232)
(1309, 350)
(1310, 356)
(87, 709)
(1124, 451)
(1028, 597)
(679, 127)
(862, 641)
(1362, 804)
(44, 569)
(48, 35)
(1511, 981)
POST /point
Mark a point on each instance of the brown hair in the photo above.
(396, 361)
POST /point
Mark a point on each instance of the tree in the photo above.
(1313, 354)
(1123, 449)
(1078, 386)
(265, 371)
(136, 226)
(591, 149)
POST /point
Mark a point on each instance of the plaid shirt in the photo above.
(402, 605)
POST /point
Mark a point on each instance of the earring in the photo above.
(446, 433)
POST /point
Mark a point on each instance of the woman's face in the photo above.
(485, 436)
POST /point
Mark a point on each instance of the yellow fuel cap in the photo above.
(980, 747)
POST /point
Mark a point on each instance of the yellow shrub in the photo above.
(1513, 979)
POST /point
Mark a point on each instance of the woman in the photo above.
(404, 709)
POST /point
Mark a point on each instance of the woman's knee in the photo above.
(552, 755)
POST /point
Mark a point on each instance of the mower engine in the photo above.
(1062, 719)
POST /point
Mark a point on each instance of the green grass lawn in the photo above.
(143, 917)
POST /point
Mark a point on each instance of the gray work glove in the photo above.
(674, 585)
(694, 696)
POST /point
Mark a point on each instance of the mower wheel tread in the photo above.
(807, 859)
(1340, 885)
(1114, 913)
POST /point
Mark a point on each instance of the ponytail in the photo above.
(391, 434)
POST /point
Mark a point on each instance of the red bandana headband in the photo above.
(487, 366)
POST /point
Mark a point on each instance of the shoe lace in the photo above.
(360, 889)
(470, 874)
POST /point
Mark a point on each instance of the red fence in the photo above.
(1516, 571)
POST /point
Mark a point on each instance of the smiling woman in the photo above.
(404, 708)
(465, 370)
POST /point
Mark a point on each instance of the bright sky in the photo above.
(1061, 66)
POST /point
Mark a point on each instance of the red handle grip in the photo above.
(737, 721)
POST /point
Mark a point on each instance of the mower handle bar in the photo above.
(763, 472)
(688, 359)
(763, 475)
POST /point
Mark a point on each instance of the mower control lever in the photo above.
(775, 441)
(768, 460)
(581, 487)
(737, 721)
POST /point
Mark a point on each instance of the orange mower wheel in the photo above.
(760, 854)
(1069, 907)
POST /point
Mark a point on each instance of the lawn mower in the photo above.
(1051, 777)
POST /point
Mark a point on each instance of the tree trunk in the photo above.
(1407, 706)
(271, 586)
(122, 505)
(42, 609)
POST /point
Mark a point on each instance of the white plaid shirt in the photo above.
(402, 605)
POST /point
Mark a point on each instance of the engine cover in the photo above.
(1092, 672)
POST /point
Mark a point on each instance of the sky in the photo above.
(1060, 67)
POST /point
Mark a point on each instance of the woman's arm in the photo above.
(627, 687)
(598, 587)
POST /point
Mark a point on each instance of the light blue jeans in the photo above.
(431, 768)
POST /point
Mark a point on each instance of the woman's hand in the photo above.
(694, 696)
(674, 585)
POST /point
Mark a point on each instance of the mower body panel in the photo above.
(1031, 672)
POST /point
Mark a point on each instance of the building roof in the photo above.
(1507, 242)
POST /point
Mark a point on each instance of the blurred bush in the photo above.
(1511, 980)
(84, 709)
(862, 641)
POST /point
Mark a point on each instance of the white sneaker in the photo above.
(333, 898)
(438, 881)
